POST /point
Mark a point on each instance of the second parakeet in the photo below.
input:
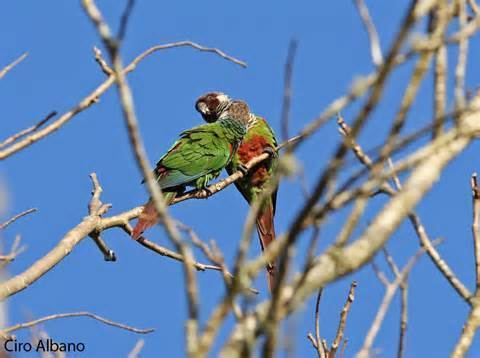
(259, 139)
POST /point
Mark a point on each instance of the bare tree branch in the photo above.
(474, 6)
(16, 327)
(460, 70)
(469, 329)
(403, 319)
(93, 97)
(287, 88)
(192, 44)
(473, 321)
(7, 68)
(27, 131)
(375, 49)
(127, 105)
(316, 341)
(475, 227)
(15, 250)
(122, 30)
(413, 217)
(390, 291)
(343, 321)
(62, 249)
(135, 352)
(440, 72)
(106, 69)
(16, 217)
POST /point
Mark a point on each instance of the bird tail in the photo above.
(149, 216)
(266, 234)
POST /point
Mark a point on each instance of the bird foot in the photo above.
(110, 256)
(270, 151)
(243, 168)
(208, 192)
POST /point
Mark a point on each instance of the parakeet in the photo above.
(259, 138)
(196, 157)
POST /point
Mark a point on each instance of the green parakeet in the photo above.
(258, 139)
(196, 157)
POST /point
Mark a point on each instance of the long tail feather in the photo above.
(149, 217)
(266, 234)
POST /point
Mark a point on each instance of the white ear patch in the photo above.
(202, 108)
(223, 98)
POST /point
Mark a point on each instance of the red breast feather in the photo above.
(252, 148)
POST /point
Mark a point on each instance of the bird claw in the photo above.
(110, 256)
(243, 168)
(270, 151)
(208, 192)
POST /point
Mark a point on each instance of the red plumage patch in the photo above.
(254, 146)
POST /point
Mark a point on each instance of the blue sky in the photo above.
(144, 289)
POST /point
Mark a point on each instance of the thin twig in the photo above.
(192, 44)
(173, 255)
(94, 206)
(473, 321)
(76, 314)
(390, 291)
(474, 6)
(15, 250)
(321, 352)
(375, 49)
(403, 301)
(7, 68)
(459, 92)
(344, 347)
(108, 254)
(122, 30)
(440, 73)
(212, 253)
(27, 131)
(101, 61)
(316, 341)
(380, 274)
(287, 88)
(475, 226)
(343, 321)
(403, 319)
(16, 217)
(135, 352)
(469, 329)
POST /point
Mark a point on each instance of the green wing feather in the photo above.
(201, 151)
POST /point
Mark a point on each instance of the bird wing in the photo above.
(199, 151)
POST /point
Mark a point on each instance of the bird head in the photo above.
(211, 105)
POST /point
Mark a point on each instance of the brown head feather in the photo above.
(211, 105)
